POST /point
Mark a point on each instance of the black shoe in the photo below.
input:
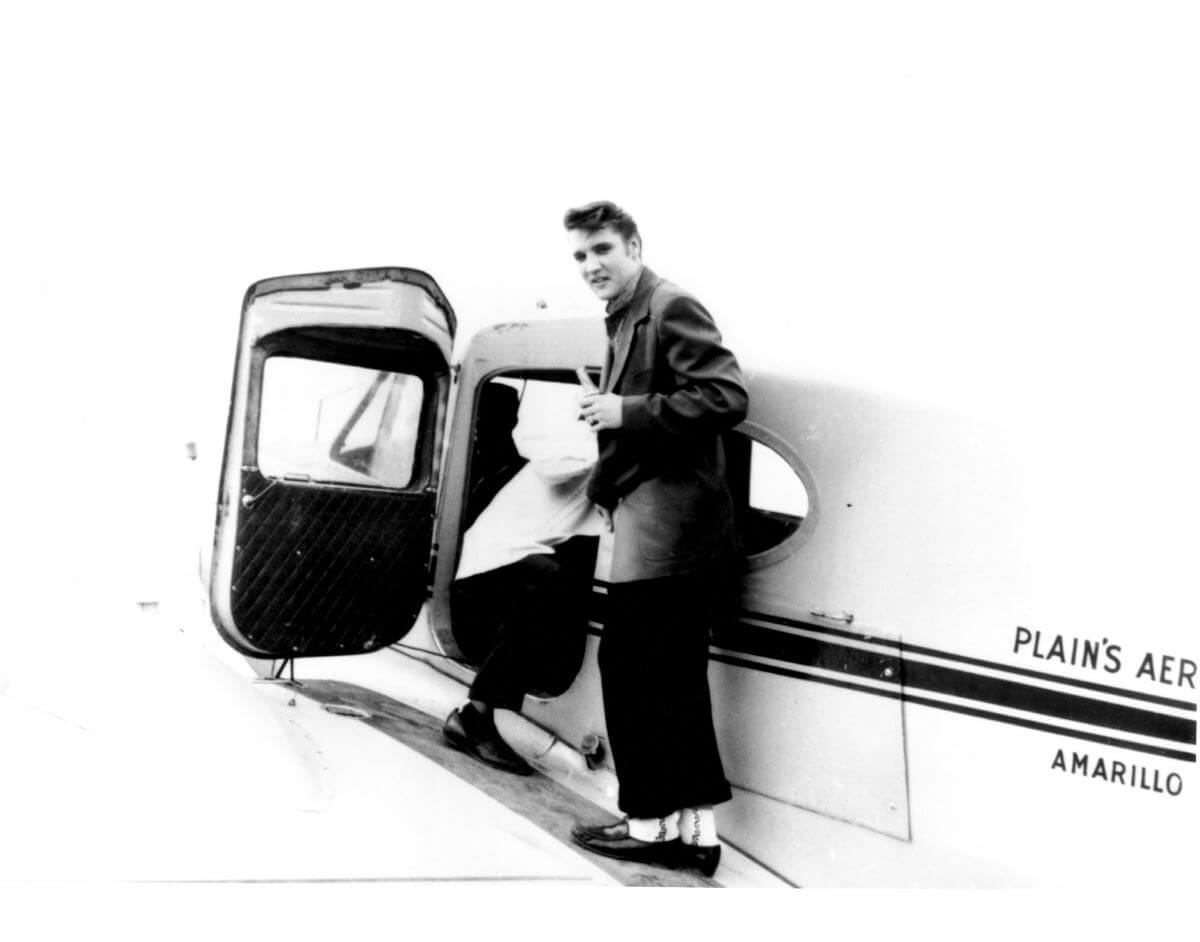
(478, 737)
(698, 857)
(613, 840)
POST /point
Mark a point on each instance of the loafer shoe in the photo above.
(615, 842)
(700, 857)
(483, 744)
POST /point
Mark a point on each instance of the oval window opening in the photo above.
(776, 500)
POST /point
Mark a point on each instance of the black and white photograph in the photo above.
(462, 456)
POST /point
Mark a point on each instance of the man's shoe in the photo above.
(704, 858)
(603, 831)
(478, 737)
(613, 840)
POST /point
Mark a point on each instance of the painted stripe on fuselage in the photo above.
(979, 662)
(882, 663)
(907, 697)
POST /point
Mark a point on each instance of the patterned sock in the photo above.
(698, 826)
(654, 829)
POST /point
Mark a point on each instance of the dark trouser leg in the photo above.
(654, 676)
(515, 623)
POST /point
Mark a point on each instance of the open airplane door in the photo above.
(329, 480)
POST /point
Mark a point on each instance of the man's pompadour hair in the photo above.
(595, 216)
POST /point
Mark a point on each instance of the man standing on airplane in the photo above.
(669, 389)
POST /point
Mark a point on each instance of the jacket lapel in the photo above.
(639, 310)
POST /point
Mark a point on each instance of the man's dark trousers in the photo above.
(654, 677)
(525, 624)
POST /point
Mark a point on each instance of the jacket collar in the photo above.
(637, 311)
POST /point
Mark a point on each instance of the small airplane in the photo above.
(904, 698)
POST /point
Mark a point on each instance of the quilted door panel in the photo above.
(326, 570)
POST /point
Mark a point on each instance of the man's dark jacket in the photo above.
(663, 472)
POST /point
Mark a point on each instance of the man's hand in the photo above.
(606, 516)
(601, 411)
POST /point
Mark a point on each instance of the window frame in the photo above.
(790, 544)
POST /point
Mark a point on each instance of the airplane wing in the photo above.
(138, 758)
(133, 756)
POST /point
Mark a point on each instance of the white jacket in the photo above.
(543, 505)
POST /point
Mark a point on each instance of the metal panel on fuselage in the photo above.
(943, 532)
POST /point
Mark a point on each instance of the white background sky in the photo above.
(993, 206)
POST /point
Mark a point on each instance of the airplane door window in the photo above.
(339, 424)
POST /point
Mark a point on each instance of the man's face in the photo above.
(606, 260)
